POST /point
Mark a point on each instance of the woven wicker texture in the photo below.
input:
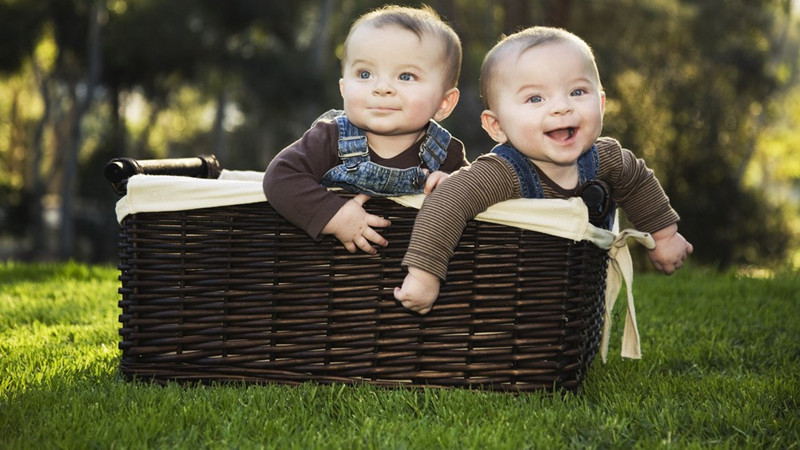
(236, 293)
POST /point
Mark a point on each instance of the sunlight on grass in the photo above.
(756, 272)
(719, 369)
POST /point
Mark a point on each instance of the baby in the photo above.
(400, 69)
(544, 107)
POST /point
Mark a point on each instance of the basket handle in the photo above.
(118, 170)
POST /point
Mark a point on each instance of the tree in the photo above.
(696, 87)
(692, 106)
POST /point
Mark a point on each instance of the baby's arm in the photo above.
(441, 221)
(419, 291)
(670, 251)
(646, 205)
(352, 226)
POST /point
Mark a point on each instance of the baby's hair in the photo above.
(419, 21)
(520, 42)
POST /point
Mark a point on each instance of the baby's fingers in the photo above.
(433, 180)
(421, 307)
(361, 199)
(377, 221)
(375, 237)
(350, 246)
(668, 268)
(364, 245)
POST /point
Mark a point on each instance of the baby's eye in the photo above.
(407, 77)
(364, 74)
(534, 99)
(577, 92)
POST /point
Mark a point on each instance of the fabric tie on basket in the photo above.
(620, 268)
(564, 218)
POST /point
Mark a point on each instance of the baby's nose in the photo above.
(383, 87)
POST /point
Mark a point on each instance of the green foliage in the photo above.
(702, 89)
(694, 105)
(17, 35)
(720, 369)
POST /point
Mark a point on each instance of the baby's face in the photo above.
(393, 81)
(548, 103)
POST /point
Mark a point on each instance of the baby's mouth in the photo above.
(562, 134)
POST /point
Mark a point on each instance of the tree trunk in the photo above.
(518, 15)
(557, 13)
(68, 189)
(321, 51)
(219, 124)
(34, 183)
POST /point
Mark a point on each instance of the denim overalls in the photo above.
(360, 175)
(595, 193)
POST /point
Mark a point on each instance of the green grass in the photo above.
(720, 369)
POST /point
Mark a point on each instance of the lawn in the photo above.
(720, 368)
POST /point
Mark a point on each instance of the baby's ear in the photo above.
(491, 125)
(449, 103)
(603, 102)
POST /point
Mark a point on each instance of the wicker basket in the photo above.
(236, 293)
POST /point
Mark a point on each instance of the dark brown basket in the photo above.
(236, 293)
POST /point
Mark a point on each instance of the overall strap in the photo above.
(353, 147)
(529, 183)
(588, 164)
(433, 150)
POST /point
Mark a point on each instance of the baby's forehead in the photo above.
(425, 39)
(418, 35)
(525, 48)
(567, 50)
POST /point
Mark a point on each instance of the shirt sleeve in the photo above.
(635, 187)
(446, 211)
(456, 156)
(292, 180)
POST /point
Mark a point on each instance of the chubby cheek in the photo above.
(526, 135)
(351, 91)
(525, 126)
(418, 109)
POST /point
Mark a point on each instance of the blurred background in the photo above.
(705, 90)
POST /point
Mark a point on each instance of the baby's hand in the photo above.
(352, 226)
(670, 251)
(420, 289)
(433, 180)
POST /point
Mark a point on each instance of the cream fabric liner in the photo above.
(566, 219)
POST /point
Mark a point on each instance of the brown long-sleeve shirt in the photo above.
(491, 179)
(292, 179)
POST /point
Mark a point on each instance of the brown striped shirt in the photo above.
(491, 179)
